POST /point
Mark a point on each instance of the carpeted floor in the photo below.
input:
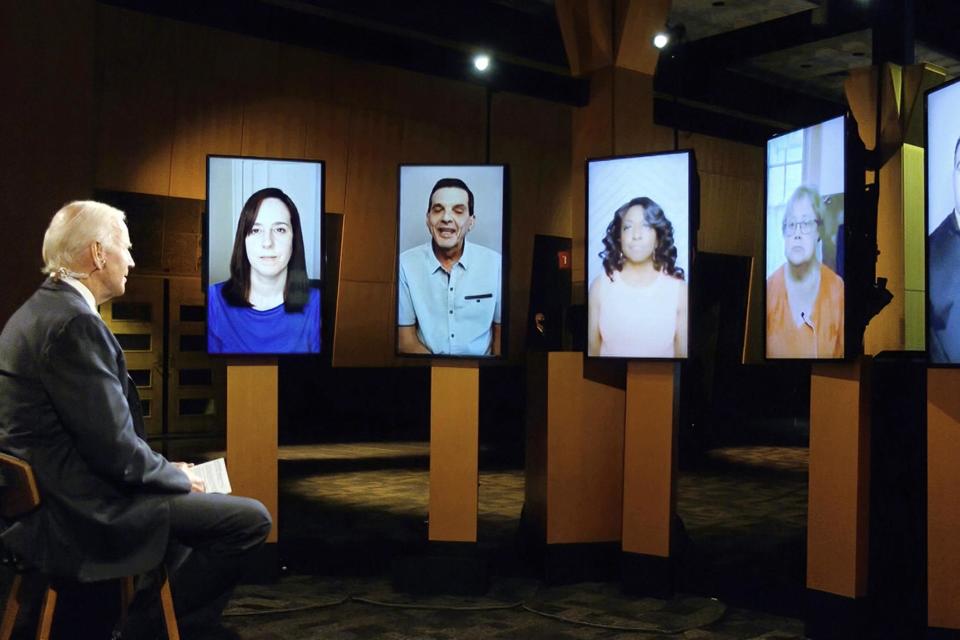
(348, 510)
(361, 608)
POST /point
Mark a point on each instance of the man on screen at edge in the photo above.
(944, 247)
(449, 290)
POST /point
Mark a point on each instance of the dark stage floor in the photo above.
(348, 510)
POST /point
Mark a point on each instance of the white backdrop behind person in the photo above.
(231, 181)
(486, 183)
(614, 182)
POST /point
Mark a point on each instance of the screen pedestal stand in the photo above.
(943, 508)
(649, 463)
(252, 410)
(573, 489)
(454, 442)
(452, 564)
(839, 499)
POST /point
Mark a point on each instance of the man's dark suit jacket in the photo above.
(943, 255)
(68, 407)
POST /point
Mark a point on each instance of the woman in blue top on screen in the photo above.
(267, 305)
(638, 307)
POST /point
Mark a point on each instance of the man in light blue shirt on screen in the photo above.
(449, 289)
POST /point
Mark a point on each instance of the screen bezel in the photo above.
(316, 282)
(504, 265)
(693, 217)
(848, 126)
(926, 224)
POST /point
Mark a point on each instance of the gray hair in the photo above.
(74, 228)
(811, 195)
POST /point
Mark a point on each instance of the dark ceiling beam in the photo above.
(532, 36)
(744, 107)
(734, 92)
(726, 49)
(282, 24)
(938, 25)
(740, 108)
(893, 31)
(701, 119)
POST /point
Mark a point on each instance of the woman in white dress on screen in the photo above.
(638, 307)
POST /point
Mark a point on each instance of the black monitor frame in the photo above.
(693, 223)
(455, 170)
(928, 316)
(857, 262)
(315, 281)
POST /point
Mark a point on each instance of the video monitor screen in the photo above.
(450, 267)
(804, 245)
(264, 255)
(639, 213)
(943, 232)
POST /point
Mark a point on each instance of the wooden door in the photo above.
(196, 383)
(136, 319)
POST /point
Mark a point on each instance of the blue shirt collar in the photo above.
(464, 260)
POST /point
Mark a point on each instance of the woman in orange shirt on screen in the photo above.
(804, 297)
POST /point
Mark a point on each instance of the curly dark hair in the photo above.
(665, 253)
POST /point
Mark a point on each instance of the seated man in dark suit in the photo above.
(110, 506)
(943, 247)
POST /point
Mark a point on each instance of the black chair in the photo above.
(19, 495)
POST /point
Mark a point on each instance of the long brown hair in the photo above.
(296, 291)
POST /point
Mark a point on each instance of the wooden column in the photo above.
(839, 495)
(252, 432)
(611, 40)
(943, 506)
(454, 438)
(900, 236)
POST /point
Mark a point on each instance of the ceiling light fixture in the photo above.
(670, 35)
(481, 62)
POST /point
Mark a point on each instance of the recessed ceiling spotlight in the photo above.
(481, 62)
(671, 35)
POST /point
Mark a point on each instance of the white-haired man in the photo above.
(110, 505)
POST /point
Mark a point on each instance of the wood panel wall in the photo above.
(170, 93)
(129, 102)
(46, 130)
